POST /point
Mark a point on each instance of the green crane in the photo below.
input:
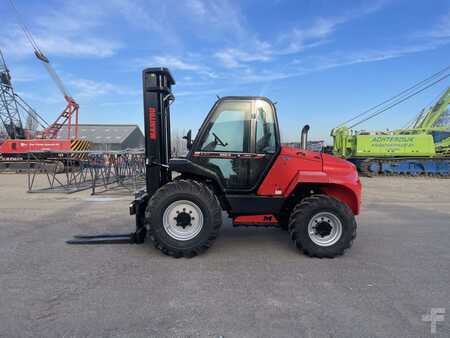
(434, 121)
(422, 148)
(436, 116)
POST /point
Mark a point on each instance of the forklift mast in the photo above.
(157, 83)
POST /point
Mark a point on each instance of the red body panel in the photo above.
(13, 147)
(337, 177)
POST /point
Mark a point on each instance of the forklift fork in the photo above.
(137, 207)
(103, 239)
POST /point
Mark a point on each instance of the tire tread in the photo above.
(195, 188)
(300, 214)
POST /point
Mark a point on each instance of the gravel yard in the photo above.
(252, 282)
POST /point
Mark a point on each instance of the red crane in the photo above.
(69, 112)
(49, 138)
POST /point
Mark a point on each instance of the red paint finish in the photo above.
(344, 183)
(64, 119)
(256, 219)
(284, 172)
(336, 177)
(36, 145)
(344, 194)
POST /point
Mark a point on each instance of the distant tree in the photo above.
(2, 131)
(178, 143)
(31, 124)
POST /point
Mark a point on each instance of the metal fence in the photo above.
(69, 172)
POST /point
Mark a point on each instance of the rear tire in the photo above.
(183, 218)
(322, 226)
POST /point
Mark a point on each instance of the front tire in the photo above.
(322, 226)
(183, 218)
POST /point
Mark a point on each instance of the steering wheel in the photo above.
(218, 140)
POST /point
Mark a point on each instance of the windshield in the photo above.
(227, 128)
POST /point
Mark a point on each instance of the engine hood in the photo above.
(338, 168)
(293, 167)
(332, 165)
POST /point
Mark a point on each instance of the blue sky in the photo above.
(322, 61)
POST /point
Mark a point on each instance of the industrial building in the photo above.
(108, 137)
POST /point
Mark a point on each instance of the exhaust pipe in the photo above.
(304, 137)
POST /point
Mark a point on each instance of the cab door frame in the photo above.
(195, 152)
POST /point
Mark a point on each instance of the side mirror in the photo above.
(188, 139)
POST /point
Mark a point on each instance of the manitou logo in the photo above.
(152, 122)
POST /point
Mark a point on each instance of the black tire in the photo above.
(183, 190)
(306, 211)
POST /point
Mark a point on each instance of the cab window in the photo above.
(265, 128)
(228, 128)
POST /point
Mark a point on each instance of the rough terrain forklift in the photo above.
(236, 164)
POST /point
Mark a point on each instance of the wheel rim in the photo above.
(183, 220)
(325, 229)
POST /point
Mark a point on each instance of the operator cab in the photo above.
(238, 141)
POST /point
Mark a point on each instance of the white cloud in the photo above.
(218, 16)
(241, 55)
(16, 45)
(69, 30)
(145, 15)
(91, 88)
(318, 33)
(197, 7)
(204, 92)
(298, 39)
(119, 103)
(384, 54)
(301, 38)
(442, 29)
(91, 46)
(174, 62)
(234, 58)
(305, 66)
(294, 41)
(72, 17)
(23, 73)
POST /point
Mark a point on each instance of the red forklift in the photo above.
(236, 164)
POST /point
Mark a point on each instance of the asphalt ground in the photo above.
(252, 283)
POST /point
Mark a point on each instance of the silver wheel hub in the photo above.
(183, 220)
(325, 228)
